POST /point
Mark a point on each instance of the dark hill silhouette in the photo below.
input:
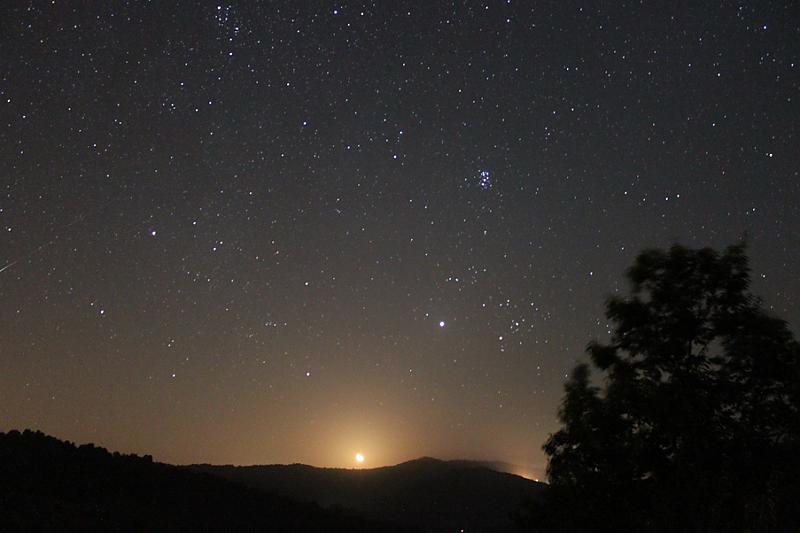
(50, 485)
(427, 493)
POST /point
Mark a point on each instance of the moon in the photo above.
(359, 458)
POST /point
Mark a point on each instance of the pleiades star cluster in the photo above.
(260, 232)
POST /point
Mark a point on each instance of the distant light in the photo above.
(442, 324)
(359, 458)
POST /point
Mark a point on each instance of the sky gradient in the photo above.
(284, 232)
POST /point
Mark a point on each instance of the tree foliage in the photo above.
(696, 426)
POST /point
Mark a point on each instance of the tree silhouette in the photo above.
(696, 426)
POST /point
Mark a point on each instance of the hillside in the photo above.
(51, 485)
(427, 493)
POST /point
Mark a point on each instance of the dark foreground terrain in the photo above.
(426, 493)
(50, 485)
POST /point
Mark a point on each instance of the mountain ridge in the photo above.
(497, 466)
(47, 484)
(426, 493)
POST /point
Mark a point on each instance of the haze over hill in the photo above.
(426, 493)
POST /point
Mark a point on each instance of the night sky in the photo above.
(265, 232)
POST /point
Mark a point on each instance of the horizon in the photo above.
(345, 461)
(517, 470)
(296, 232)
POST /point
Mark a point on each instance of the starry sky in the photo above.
(259, 232)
